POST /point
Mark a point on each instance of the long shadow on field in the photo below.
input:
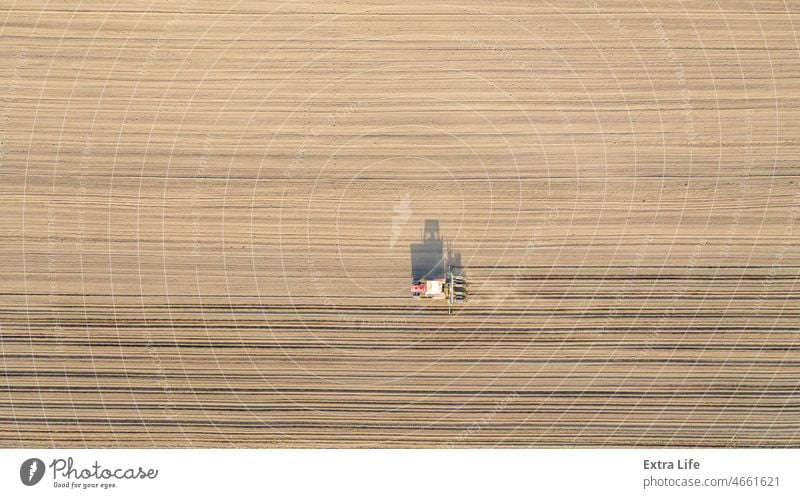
(428, 259)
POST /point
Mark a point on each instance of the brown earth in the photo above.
(208, 209)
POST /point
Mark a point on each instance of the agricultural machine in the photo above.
(429, 279)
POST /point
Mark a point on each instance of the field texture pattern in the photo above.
(208, 211)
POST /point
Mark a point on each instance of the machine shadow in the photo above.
(428, 258)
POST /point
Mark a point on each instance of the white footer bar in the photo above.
(389, 473)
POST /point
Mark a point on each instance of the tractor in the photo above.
(428, 276)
